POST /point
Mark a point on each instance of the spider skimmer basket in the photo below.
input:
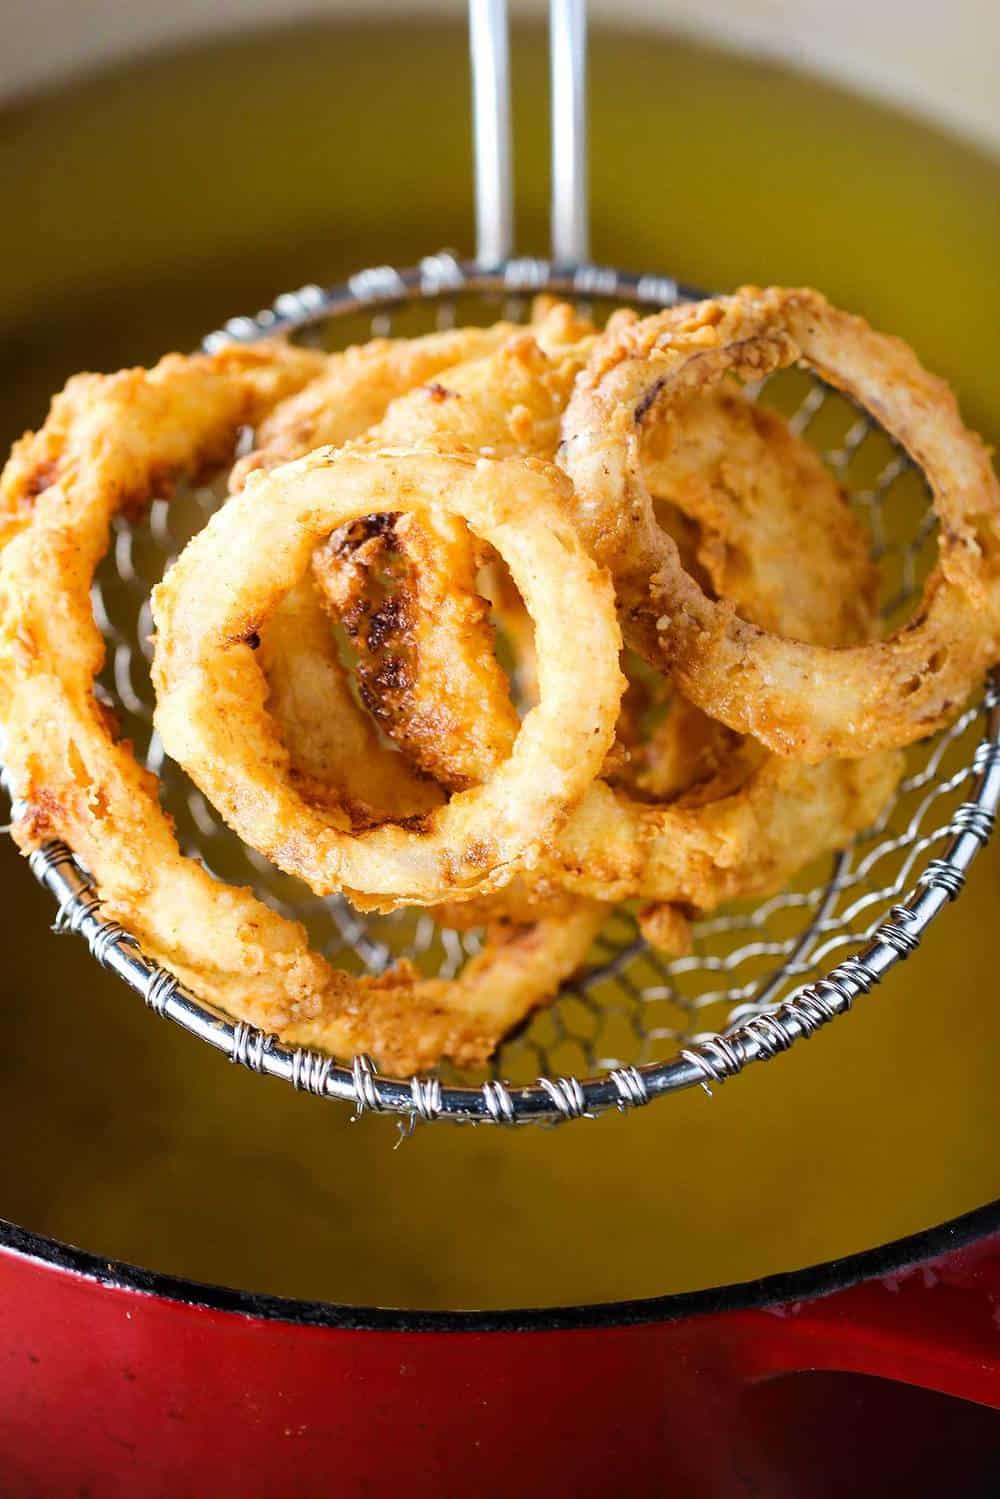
(633, 1026)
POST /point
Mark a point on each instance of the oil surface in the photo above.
(148, 204)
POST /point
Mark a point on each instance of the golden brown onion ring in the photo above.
(333, 749)
(333, 746)
(211, 693)
(802, 700)
(745, 832)
(452, 713)
(773, 534)
(749, 823)
(352, 388)
(113, 442)
(760, 520)
(410, 1023)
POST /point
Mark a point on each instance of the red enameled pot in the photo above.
(877, 1374)
(119, 1381)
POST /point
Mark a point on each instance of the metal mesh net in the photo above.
(630, 1007)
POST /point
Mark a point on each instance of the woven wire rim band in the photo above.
(709, 1059)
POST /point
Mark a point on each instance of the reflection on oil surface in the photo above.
(151, 204)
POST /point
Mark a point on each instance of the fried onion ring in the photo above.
(210, 711)
(745, 832)
(746, 823)
(352, 389)
(453, 714)
(410, 1023)
(801, 700)
(426, 663)
(333, 749)
(759, 519)
(110, 443)
(773, 534)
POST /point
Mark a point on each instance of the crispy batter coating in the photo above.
(426, 661)
(681, 747)
(335, 755)
(404, 589)
(411, 1023)
(449, 711)
(111, 443)
(736, 476)
(746, 832)
(759, 519)
(353, 387)
(666, 928)
(742, 579)
(801, 699)
(774, 534)
(211, 693)
(344, 402)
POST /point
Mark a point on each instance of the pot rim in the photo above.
(770, 1290)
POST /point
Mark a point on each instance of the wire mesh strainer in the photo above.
(633, 1025)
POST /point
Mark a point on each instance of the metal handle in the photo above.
(490, 47)
(568, 61)
(491, 112)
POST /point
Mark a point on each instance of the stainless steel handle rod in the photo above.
(568, 62)
(489, 45)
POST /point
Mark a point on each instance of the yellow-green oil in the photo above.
(147, 204)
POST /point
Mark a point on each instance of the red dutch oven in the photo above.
(119, 1381)
(878, 1373)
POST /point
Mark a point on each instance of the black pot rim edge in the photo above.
(770, 1290)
